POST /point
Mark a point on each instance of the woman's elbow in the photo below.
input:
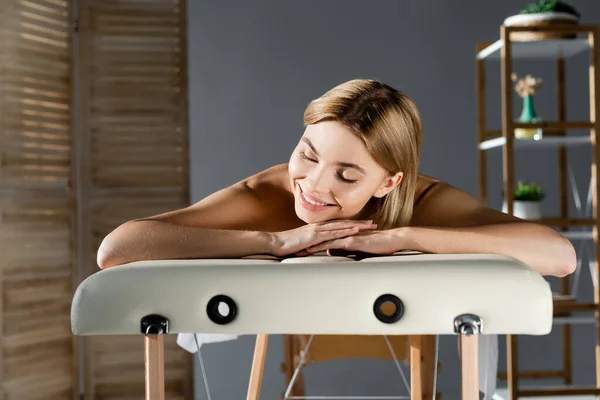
(105, 258)
(567, 259)
(109, 252)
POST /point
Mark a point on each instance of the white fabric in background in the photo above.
(488, 365)
(186, 340)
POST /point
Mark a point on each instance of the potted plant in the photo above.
(543, 13)
(527, 200)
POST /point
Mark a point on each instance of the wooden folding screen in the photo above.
(37, 205)
(133, 138)
(93, 132)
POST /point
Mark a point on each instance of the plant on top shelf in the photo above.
(548, 6)
(543, 14)
(526, 88)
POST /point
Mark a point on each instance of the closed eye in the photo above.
(303, 155)
(339, 176)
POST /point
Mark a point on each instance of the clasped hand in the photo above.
(349, 235)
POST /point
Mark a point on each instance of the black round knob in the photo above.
(215, 315)
(383, 315)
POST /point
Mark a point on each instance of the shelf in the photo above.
(554, 126)
(562, 307)
(551, 141)
(564, 298)
(503, 393)
(537, 49)
(565, 221)
(586, 235)
(556, 136)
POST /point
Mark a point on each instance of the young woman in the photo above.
(351, 183)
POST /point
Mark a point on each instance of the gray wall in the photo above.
(253, 68)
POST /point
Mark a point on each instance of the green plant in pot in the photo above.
(549, 6)
(542, 14)
(527, 200)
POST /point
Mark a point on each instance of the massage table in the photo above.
(404, 294)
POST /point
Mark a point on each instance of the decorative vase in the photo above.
(530, 210)
(528, 115)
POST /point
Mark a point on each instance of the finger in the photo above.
(357, 230)
(346, 224)
(320, 247)
(341, 233)
(317, 248)
(370, 227)
(333, 221)
(326, 236)
(331, 244)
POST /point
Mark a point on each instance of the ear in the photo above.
(389, 184)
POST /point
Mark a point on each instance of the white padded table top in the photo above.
(317, 295)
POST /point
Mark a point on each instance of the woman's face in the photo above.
(333, 176)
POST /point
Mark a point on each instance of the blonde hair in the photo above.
(389, 124)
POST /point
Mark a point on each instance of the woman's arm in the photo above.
(156, 240)
(449, 220)
(532, 244)
(216, 227)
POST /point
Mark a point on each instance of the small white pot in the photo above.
(525, 209)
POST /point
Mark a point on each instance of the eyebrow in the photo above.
(341, 164)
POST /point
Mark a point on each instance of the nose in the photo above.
(317, 182)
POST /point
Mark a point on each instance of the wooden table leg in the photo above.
(469, 361)
(258, 366)
(428, 366)
(416, 370)
(154, 361)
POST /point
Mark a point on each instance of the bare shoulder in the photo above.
(273, 180)
(424, 184)
(253, 203)
(438, 203)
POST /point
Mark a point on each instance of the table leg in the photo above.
(154, 361)
(258, 366)
(469, 361)
(416, 371)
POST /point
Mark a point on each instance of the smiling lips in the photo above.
(312, 203)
